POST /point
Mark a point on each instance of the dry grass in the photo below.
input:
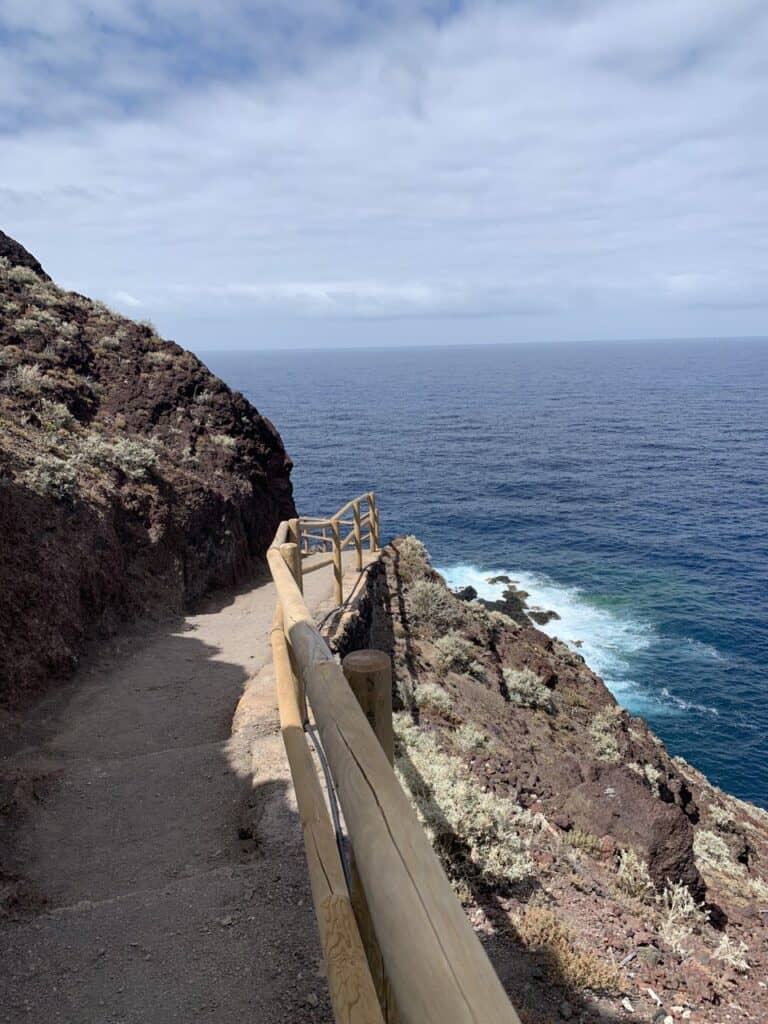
(541, 929)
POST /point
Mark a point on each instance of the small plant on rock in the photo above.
(453, 652)
(433, 608)
(680, 915)
(712, 850)
(602, 729)
(526, 689)
(411, 558)
(135, 458)
(469, 738)
(633, 877)
(732, 953)
(434, 697)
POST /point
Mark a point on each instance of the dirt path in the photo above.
(166, 846)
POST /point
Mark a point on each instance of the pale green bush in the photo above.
(135, 458)
(721, 818)
(25, 379)
(52, 477)
(680, 915)
(56, 416)
(430, 695)
(526, 689)
(411, 558)
(159, 357)
(453, 652)
(468, 737)
(602, 729)
(433, 608)
(22, 275)
(633, 877)
(472, 831)
(711, 849)
(732, 953)
(224, 440)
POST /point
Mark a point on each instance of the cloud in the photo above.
(126, 299)
(584, 169)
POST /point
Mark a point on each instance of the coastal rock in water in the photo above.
(466, 594)
(617, 804)
(132, 480)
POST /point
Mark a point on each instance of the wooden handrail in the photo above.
(434, 963)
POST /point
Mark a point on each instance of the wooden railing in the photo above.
(396, 942)
(354, 524)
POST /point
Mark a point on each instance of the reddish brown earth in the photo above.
(580, 786)
(132, 480)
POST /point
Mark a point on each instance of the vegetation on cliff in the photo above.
(132, 480)
(597, 867)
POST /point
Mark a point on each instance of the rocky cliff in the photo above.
(609, 880)
(132, 480)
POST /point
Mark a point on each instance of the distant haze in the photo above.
(264, 173)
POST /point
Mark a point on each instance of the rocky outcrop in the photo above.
(596, 867)
(132, 480)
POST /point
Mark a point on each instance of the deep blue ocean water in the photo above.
(624, 485)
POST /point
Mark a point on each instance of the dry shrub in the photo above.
(468, 737)
(412, 558)
(434, 609)
(732, 953)
(430, 695)
(585, 841)
(633, 877)
(453, 652)
(474, 833)
(602, 729)
(680, 915)
(526, 689)
(541, 929)
(712, 850)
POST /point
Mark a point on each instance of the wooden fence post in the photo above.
(294, 533)
(358, 536)
(337, 567)
(373, 515)
(369, 674)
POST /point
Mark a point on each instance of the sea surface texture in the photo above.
(625, 486)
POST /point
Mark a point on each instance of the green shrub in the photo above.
(22, 275)
(468, 738)
(434, 609)
(526, 689)
(633, 877)
(453, 652)
(602, 729)
(712, 850)
(412, 557)
(585, 841)
(224, 440)
(52, 477)
(473, 832)
(56, 416)
(134, 458)
(430, 695)
(25, 379)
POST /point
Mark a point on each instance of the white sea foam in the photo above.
(607, 638)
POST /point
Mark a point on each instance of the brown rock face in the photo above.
(617, 804)
(132, 480)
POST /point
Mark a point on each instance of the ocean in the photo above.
(625, 486)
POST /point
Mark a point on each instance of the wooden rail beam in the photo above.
(438, 969)
(352, 991)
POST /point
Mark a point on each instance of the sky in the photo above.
(321, 173)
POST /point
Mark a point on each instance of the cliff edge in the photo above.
(608, 880)
(132, 480)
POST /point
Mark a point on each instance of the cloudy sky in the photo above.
(320, 172)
